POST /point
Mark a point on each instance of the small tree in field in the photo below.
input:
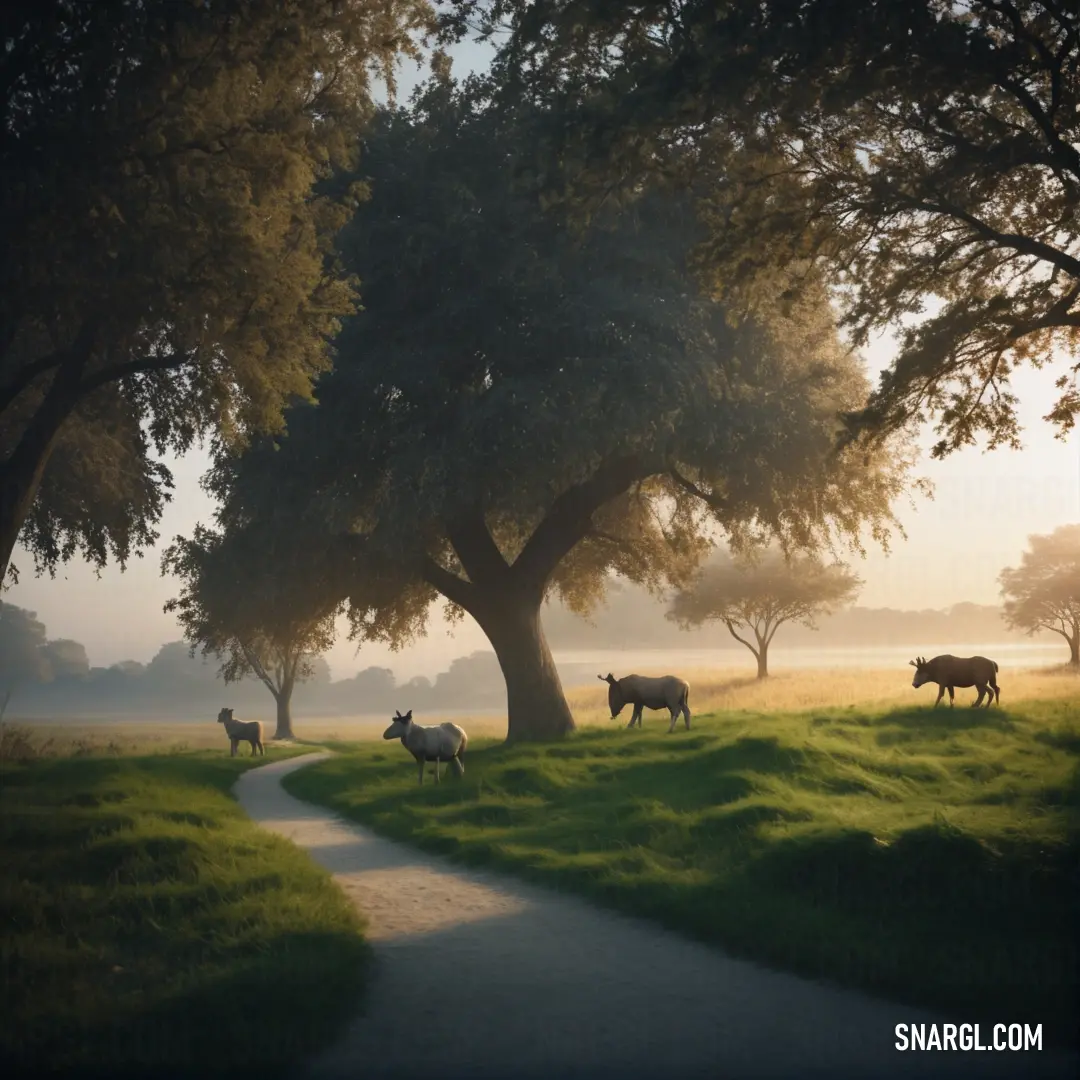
(758, 597)
(270, 634)
(1043, 593)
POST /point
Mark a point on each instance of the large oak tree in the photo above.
(167, 257)
(924, 150)
(521, 410)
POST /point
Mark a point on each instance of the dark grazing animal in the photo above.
(951, 671)
(665, 692)
(446, 742)
(242, 731)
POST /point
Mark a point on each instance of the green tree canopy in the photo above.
(1043, 592)
(755, 597)
(167, 257)
(274, 634)
(926, 150)
(521, 410)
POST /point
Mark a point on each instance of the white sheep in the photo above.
(242, 731)
(446, 742)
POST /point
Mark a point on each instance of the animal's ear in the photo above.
(397, 714)
(912, 663)
(601, 678)
(408, 715)
(610, 678)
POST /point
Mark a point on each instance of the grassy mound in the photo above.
(150, 928)
(930, 856)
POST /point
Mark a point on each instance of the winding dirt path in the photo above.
(482, 976)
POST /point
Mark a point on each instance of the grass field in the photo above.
(150, 928)
(712, 690)
(926, 855)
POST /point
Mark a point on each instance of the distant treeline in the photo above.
(174, 684)
(632, 618)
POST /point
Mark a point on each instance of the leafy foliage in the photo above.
(916, 151)
(1043, 593)
(271, 634)
(167, 260)
(758, 596)
(521, 408)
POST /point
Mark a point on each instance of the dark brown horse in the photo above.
(952, 671)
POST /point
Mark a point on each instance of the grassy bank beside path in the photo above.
(932, 856)
(149, 928)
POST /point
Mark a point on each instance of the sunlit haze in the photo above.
(985, 506)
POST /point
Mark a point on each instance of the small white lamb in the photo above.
(446, 742)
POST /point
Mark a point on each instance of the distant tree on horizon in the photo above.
(22, 657)
(67, 659)
(1043, 593)
(756, 597)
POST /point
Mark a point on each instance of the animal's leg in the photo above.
(640, 713)
(952, 697)
(674, 717)
(421, 772)
(458, 765)
(436, 770)
(940, 695)
(232, 745)
(981, 687)
(686, 716)
(997, 694)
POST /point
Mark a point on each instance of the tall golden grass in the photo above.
(711, 690)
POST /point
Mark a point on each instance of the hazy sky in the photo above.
(985, 506)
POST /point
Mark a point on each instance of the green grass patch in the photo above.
(150, 928)
(928, 856)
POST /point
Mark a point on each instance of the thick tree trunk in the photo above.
(535, 702)
(1074, 651)
(284, 713)
(763, 663)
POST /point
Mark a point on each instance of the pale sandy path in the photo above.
(482, 976)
